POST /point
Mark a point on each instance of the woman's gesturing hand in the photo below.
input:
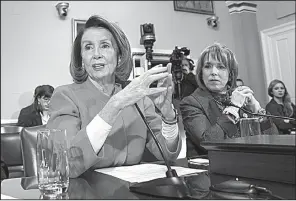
(139, 87)
(163, 100)
(243, 96)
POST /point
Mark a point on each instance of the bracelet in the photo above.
(176, 120)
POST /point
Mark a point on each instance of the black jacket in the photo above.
(277, 109)
(29, 117)
(188, 85)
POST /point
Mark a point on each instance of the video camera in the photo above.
(147, 39)
(176, 59)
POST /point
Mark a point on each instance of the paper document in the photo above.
(144, 172)
(6, 197)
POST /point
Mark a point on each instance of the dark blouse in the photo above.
(278, 109)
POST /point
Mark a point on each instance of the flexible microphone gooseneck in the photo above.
(171, 172)
(229, 103)
(170, 187)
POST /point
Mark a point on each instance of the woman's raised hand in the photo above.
(244, 96)
(163, 100)
(139, 87)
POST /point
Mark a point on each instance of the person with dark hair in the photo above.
(103, 125)
(281, 105)
(206, 116)
(37, 113)
(239, 82)
(188, 83)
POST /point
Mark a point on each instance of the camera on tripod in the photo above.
(176, 59)
(148, 39)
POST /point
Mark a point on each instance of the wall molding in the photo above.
(266, 41)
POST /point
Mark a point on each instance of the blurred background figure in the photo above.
(281, 105)
(188, 84)
(37, 113)
(239, 82)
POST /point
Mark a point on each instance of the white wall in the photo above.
(36, 44)
(274, 13)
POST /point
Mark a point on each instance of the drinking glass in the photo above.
(52, 162)
(249, 127)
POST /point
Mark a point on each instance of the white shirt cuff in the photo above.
(170, 132)
(95, 131)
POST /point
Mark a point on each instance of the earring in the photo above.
(82, 66)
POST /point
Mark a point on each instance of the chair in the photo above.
(11, 152)
(29, 146)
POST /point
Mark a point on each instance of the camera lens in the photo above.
(147, 28)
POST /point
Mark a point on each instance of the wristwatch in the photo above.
(176, 120)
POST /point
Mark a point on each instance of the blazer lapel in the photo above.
(208, 104)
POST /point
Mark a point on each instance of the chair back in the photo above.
(29, 147)
(11, 145)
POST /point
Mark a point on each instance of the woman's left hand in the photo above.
(250, 102)
(163, 101)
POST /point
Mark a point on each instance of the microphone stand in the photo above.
(171, 186)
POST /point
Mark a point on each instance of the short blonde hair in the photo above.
(124, 66)
(222, 54)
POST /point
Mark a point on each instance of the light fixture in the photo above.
(62, 8)
(213, 21)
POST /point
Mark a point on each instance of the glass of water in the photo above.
(250, 127)
(52, 162)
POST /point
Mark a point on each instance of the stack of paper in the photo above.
(144, 172)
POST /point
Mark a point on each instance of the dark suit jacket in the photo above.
(188, 84)
(203, 121)
(277, 109)
(29, 117)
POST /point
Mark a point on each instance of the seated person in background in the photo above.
(37, 113)
(281, 105)
(239, 82)
(188, 84)
(205, 115)
(103, 126)
(4, 169)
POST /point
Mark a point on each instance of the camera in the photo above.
(148, 39)
(176, 59)
(213, 21)
(62, 9)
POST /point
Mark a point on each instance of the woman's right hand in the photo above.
(241, 95)
(139, 87)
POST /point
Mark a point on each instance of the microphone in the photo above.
(229, 103)
(170, 186)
